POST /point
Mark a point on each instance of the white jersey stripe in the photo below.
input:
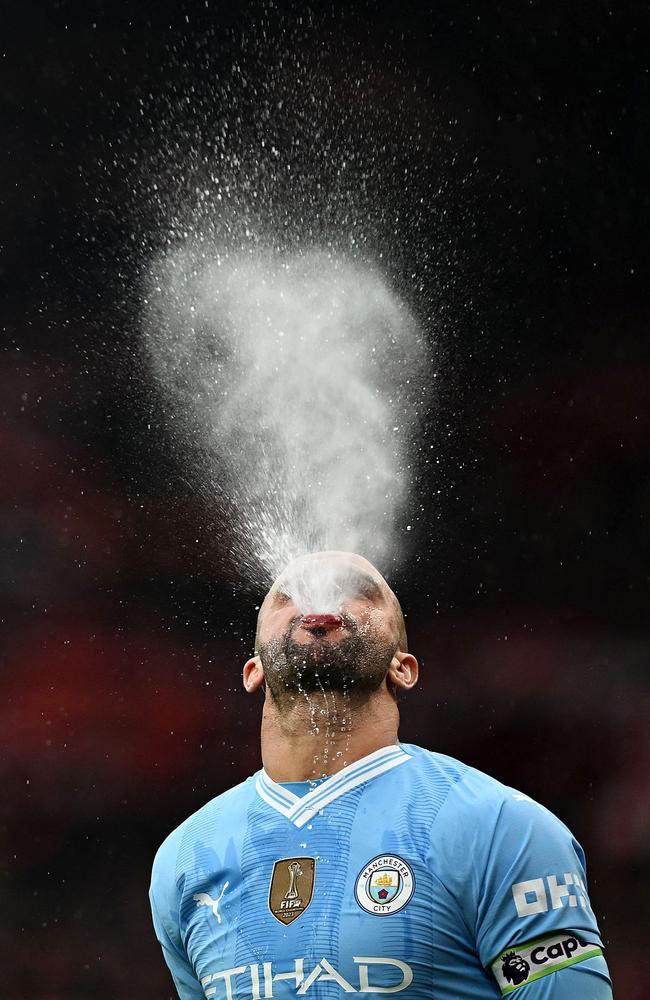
(311, 811)
(283, 795)
(325, 790)
(300, 810)
(270, 799)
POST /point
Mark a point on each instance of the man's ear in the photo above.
(253, 674)
(403, 671)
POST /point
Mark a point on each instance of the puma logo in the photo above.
(203, 899)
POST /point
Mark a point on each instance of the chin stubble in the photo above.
(355, 664)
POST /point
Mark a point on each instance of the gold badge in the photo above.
(292, 888)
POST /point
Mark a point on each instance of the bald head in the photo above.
(322, 582)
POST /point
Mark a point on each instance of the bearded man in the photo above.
(352, 863)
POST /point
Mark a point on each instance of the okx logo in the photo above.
(527, 962)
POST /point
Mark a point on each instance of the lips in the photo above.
(321, 621)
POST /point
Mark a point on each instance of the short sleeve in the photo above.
(164, 909)
(533, 880)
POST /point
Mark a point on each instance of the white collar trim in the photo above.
(301, 810)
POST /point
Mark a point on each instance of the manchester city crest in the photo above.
(385, 885)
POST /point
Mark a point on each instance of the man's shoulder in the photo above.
(436, 767)
(221, 811)
(482, 824)
(471, 792)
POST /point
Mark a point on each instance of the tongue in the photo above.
(322, 621)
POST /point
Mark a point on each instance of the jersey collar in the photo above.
(301, 810)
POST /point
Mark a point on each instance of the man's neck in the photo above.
(311, 736)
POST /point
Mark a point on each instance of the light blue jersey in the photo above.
(406, 872)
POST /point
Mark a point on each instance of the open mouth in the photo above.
(320, 624)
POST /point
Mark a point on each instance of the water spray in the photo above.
(296, 384)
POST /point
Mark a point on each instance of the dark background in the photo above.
(500, 162)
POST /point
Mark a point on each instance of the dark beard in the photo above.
(356, 665)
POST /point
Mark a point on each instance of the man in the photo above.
(351, 863)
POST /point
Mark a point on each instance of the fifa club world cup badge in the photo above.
(385, 885)
(292, 888)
